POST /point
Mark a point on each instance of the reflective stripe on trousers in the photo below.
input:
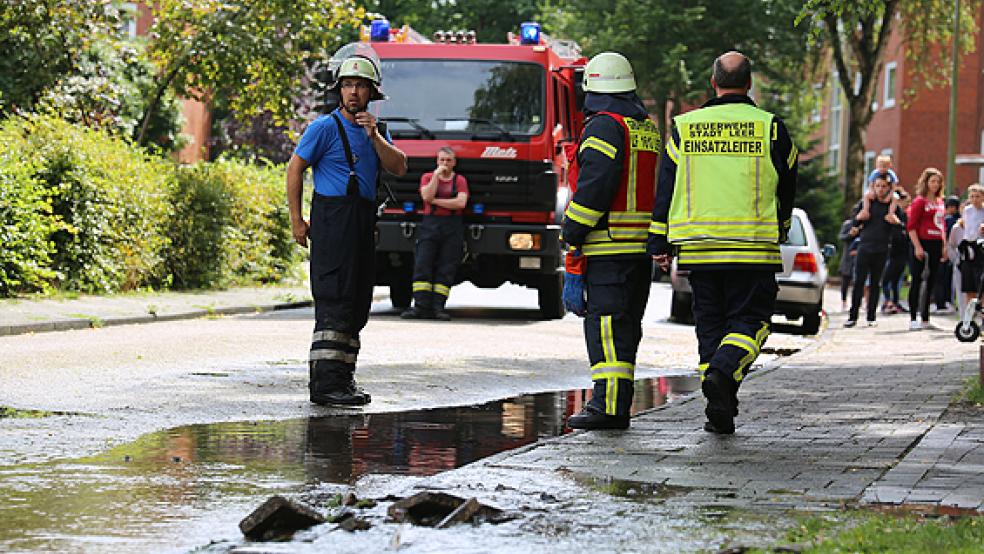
(618, 290)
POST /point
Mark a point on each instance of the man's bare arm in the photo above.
(295, 190)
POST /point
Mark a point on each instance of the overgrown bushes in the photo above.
(85, 211)
(230, 223)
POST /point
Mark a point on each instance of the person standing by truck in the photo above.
(345, 151)
(605, 227)
(441, 240)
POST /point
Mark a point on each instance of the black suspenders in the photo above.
(353, 181)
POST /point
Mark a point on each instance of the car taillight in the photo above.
(805, 261)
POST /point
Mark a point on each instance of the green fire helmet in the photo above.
(363, 67)
(609, 73)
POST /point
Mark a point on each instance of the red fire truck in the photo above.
(506, 110)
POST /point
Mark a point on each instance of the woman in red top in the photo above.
(926, 231)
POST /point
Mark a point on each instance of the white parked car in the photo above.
(801, 283)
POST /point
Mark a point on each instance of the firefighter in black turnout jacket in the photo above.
(345, 150)
(724, 204)
(441, 241)
(605, 227)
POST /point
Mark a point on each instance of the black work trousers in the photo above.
(343, 261)
(933, 252)
(732, 311)
(618, 290)
(868, 264)
(439, 248)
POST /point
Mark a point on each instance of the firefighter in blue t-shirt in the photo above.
(345, 151)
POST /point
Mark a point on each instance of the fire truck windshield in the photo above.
(463, 99)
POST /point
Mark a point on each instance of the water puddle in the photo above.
(184, 487)
(633, 490)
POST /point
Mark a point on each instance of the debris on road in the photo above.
(279, 517)
(441, 510)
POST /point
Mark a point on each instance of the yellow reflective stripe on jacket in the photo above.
(604, 147)
(612, 248)
(657, 228)
(702, 369)
(628, 233)
(722, 230)
(612, 234)
(793, 153)
(443, 290)
(747, 256)
(583, 214)
(672, 151)
(629, 217)
(419, 286)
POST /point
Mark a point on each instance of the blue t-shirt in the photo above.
(321, 147)
(892, 177)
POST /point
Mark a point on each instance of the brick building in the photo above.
(915, 134)
(198, 120)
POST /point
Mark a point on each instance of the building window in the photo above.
(816, 114)
(890, 77)
(869, 163)
(834, 139)
(128, 19)
(980, 172)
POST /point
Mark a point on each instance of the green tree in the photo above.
(42, 40)
(107, 89)
(248, 56)
(856, 32)
(672, 48)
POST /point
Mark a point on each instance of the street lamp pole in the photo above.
(951, 147)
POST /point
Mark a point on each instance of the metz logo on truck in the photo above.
(499, 152)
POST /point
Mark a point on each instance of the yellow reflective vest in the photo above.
(724, 208)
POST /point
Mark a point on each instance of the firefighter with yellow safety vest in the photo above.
(608, 272)
(725, 198)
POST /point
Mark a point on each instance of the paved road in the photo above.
(124, 381)
(858, 417)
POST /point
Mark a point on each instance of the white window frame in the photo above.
(891, 75)
(980, 172)
(129, 12)
(869, 162)
(816, 114)
(836, 127)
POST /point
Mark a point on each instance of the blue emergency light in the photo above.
(529, 33)
(379, 30)
(408, 207)
(478, 208)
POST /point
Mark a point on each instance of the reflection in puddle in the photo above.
(634, 490)
(186, 486)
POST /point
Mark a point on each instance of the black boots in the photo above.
(439, 314)
(720, 392)
(589, 419)
(414, 312)
(349, 395)
(333, 383)
(442, 315)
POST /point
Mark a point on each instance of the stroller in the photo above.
(969, 327)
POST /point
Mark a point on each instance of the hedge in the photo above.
(86, 211)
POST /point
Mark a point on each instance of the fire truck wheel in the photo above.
(549, 295)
